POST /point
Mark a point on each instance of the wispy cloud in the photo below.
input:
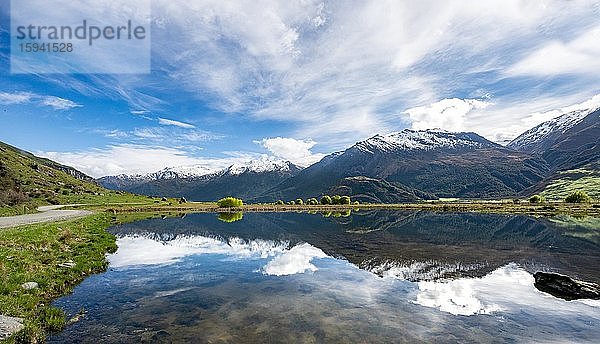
(54, 102)
(165, 121)
(58, 103)
(15, 98)
(580, 55)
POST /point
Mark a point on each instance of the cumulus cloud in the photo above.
(296, 151)
(449, 114)
(165, 121)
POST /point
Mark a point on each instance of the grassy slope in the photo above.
(32, 181)
(566, 182)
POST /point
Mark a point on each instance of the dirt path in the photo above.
(46, 214)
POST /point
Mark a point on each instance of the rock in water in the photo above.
(565, 287)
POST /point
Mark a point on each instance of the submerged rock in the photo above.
(565, 287)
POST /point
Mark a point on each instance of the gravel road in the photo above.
(46, 214)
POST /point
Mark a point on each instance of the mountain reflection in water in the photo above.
(372, 276)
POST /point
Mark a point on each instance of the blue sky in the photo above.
(233, 81)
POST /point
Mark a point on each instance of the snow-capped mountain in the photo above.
(180, 172)
(426, 162)
(541, 137)
(260, 166)
(425, 140)
(199, 183)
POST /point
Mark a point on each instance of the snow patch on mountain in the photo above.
(557, 125)
(426, 140)
(261, 165)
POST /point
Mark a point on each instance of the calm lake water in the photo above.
(370, 277)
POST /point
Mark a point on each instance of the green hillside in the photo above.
(27, 181)
(566, 182)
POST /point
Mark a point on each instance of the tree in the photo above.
(345, 200)
(280, 202)
(355, 203)
(536, 199)
(292, 203)
(336, 199)
(228, 202)
(299, 201)
(325, 200)
(578, 197)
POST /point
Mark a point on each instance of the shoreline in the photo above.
(543, 209)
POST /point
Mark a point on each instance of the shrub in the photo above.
(578, 197)
(536, 199)
(325, 200)
(299, 201)
(345, 200)
(228, 202)
(312, 201)
(355, 203)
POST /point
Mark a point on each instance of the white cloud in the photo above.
(54, 102)
(448, 114)
(174, 135)
(503, 122)
(497, 121)
(282, 260)
(346, 69)
(15, 98)
(141, 250)
(119, 159)
(296, 151)
(165, 121)
(295, 261)
(578, 56)
(58, 103)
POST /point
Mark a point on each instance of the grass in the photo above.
(27, 182)
(34, 253)
(571, 181)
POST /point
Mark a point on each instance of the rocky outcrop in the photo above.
(565, 287)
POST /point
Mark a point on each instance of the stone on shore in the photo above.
(29, 285)
(9, 326)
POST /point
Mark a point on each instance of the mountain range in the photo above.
(399, 167)
(405, 166)
(202, 184)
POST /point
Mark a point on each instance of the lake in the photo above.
(365, 277)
